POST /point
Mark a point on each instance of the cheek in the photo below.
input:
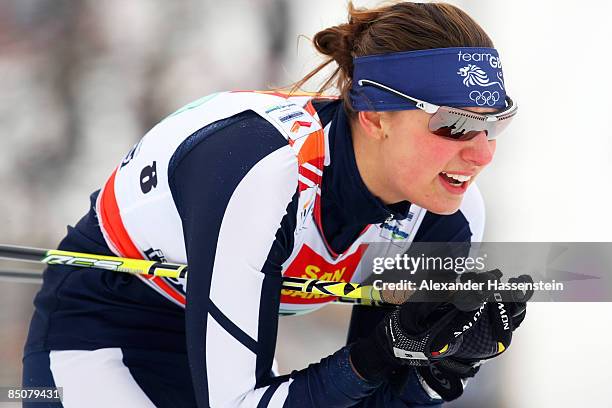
(436, 153)
(403, 157)
(422, 156)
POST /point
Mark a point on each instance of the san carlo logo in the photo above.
(309, 264)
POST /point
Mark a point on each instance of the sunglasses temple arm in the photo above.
(426, 106)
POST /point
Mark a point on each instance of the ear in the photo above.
(370, 122)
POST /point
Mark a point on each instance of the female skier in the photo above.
(248, 187)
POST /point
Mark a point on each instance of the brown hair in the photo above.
(399, 27)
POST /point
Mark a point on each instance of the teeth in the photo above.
(460, 178)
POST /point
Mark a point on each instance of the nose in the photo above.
(479, 151)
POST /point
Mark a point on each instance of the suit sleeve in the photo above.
(235, 186)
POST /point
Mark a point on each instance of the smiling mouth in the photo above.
(455, 179)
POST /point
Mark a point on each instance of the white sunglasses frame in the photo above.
(431, 108)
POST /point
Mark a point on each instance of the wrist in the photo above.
(371, 357)
(350, 359)
(346, 378)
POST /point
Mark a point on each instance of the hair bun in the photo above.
(404, 26)
(337, 42)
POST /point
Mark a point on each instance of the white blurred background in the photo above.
(82, 80)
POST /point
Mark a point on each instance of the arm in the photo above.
(465, 225)
(404, 391)
(235, 192)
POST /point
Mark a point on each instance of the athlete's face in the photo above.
(413, 162)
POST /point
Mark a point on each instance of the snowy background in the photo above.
(81, 81)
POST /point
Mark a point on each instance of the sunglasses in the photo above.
(455, 123)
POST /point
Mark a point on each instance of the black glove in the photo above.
(414, 334)
(490, 336)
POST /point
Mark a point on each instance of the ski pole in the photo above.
(361, 294)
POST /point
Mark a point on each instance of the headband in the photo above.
(458, 77)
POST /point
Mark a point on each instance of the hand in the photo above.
(489, 337)
(414, 334)
(420, 334)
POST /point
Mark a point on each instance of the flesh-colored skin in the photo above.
(399, 159)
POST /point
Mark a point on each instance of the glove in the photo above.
(414, 334)
(489, 337)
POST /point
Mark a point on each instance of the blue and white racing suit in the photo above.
(244, 187)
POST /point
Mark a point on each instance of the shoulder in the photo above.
(243, 155)
(242, 137)
(467, 224)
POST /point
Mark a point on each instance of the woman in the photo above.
(247, 187)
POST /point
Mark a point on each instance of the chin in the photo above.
(443, 211)
(442, 208)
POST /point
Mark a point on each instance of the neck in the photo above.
(369, 157)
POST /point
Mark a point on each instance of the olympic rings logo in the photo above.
(485, 97)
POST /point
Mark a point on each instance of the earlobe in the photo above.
(370, 122)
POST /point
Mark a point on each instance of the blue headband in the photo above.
(458, 77)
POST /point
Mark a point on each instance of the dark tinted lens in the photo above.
(450, 124)
(453, 126)
(451, 133)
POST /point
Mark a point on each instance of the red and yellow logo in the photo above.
(310, 265)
